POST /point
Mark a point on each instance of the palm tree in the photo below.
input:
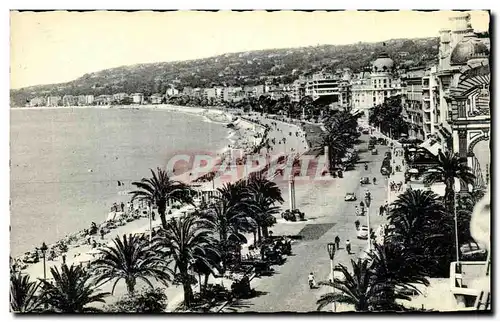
(355, 288)
(263, 212)
(227, 221)
(418, 222)
(131, 258)
(72, 291)
(233, 193)
(159, 189)
(397, 270)
(188, 240)
(411, 215)
(23, 294)
(450, 166)
(263, 195)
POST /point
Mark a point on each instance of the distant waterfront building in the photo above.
(322, 84)
(38, 101)
(104, 99)
(209, 93)
(172, 91)
(69, 100)
(156, 98)
(118, 97)
(233, 94)
(374, 87)
(411, 101)
(137, 98)
(54, 101)
(298, 89)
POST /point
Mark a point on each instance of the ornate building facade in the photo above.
(464, 84)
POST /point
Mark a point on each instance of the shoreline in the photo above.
(215, 116)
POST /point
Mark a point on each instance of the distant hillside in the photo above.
(245, 68)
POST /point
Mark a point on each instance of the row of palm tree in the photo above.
(340, 135)
(388, 116)
(201, 243)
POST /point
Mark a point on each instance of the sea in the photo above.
(65, 164)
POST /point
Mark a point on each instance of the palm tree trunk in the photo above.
(205, 284)
(130, 285)
(186, 285)
(259, 233)
(162, 207)
(255, 237)
(265, 232)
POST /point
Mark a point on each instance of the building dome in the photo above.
(469, 47)
(383, 63)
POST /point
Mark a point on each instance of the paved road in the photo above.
(328, 216)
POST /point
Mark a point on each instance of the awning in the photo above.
(432, 146)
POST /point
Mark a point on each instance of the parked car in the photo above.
(364, 180)
(350, 196)
(374, 152)
(363, 232)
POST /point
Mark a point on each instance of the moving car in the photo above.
(364, 180)
(363, 232)
(350, 196)
(374, 152)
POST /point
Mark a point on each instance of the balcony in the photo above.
(469, 282)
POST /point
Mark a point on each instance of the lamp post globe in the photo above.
(331, 250)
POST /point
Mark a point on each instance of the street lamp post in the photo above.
(44, 250)
(150, 210)
(368, 200)
(331, 253)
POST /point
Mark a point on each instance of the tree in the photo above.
(418, 221)
(450, 167)
(146, 301)
(72, 291)
(132, 258)
(226, 219)
(23, 294)
(412, 214)
(396, 269)
(159, 189)
(187, 240)
(355, 288)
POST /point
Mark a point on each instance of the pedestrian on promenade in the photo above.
(356, 209)
(357, 223)
(64, 258)
(337, 241)
(311, 280)
(348, 246)
(381, 210)
(122, 206)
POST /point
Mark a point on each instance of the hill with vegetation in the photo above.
(244, 68)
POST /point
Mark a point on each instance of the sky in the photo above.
(55, 47)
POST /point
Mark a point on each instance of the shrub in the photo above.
(146, 301)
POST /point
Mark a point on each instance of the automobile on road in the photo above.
(363, 232)
(364, 180)
(350, 196)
